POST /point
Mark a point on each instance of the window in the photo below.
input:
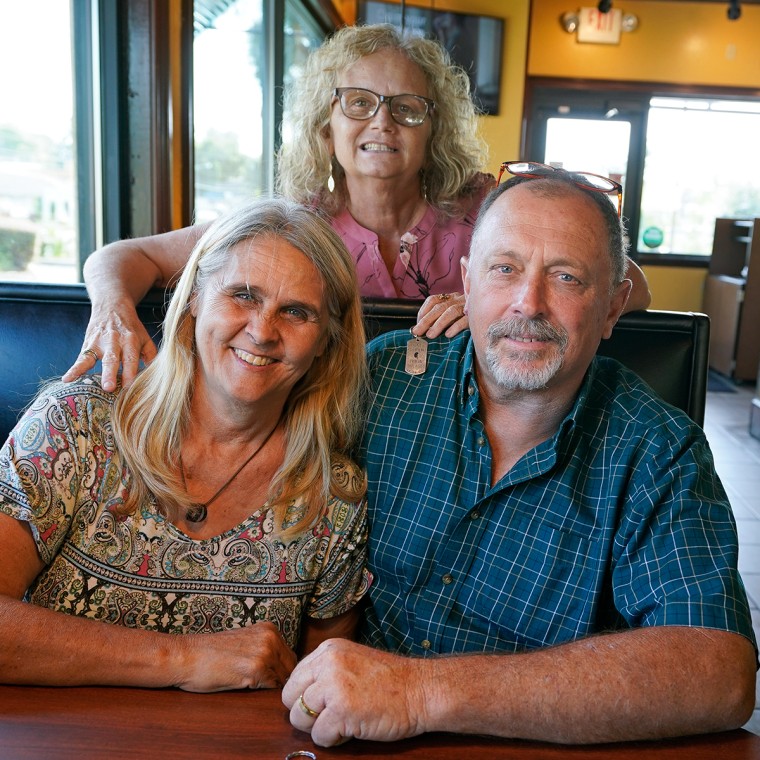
(596, 146)
(302, 36)
(237, 89)
(88, 132)
(38, 189)
(700, 164)
(229, 72)
(684, 159)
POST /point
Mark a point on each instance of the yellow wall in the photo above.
(503, 132)
(681, 42)
(677, 42)
(676, 288)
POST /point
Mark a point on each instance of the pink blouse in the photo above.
(428, 262)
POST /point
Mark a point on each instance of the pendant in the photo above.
(416, 356)
(197, 513)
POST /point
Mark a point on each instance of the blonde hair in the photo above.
(455, 153)
(324, 414)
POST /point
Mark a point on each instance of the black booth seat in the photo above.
(42, 328)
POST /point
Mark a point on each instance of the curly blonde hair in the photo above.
(455, 153)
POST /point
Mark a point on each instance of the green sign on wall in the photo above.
(652, 237)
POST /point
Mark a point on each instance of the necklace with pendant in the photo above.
(198, 512)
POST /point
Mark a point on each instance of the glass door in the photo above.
(594, 132)
(599, 146)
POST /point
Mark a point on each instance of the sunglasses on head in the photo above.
(584, 180)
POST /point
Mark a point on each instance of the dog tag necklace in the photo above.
(416, 356)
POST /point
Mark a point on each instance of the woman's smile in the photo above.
(254, 359)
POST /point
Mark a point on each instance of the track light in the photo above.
(734, 11)
(605, 5)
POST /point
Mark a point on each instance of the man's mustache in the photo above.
(517, 327)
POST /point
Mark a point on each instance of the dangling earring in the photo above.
(423, 184)
(330, 179)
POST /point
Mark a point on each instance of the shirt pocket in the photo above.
(536, 583)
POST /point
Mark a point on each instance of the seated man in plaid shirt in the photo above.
(539, 513)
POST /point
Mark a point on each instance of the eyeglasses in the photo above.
(361, 104)
(584, 180)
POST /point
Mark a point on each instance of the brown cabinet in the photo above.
(732, 298)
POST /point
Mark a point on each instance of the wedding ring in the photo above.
(311, 713)
(300, 753)
(444, 296)
(89, 352)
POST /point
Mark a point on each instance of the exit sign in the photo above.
(604, 28)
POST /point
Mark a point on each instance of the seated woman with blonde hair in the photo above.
(215, 496)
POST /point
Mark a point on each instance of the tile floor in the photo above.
(737, 459)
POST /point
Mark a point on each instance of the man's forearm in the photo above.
(645, 683)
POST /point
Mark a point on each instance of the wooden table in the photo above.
(116, 723)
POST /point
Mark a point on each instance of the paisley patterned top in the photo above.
(60, 472)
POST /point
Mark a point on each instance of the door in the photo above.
(594, 132)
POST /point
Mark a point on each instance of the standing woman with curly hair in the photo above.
(385, 142)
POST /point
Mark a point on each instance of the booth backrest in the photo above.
(668, 349)
(42, 329)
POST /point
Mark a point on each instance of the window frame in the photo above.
(595, 98)
(122, 96)
(145, 123)
(326, 19)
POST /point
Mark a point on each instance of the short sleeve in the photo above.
(677, 549)
(48, 460)
(343, 578)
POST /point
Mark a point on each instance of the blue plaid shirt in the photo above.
(618, 520)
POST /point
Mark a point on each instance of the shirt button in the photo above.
(474, 515)
(481, 440)
(448, 578)
(425, 644)
(471, 391)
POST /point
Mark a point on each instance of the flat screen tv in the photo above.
(474, 42)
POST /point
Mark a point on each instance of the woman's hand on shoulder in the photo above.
(442, 314)
(118, 276)
(115, 336)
